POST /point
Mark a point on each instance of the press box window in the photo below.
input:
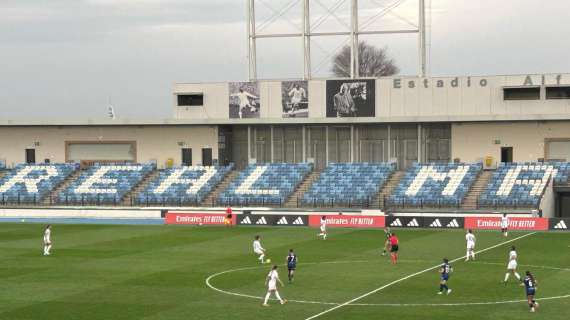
(521, 93)
(190, 100)
(557, 92)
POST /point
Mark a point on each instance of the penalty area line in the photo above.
(351, 301)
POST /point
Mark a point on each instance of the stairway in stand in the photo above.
(480, 185)
(305, 185)
(140, 187)
(388, 188)
(210, 199)
(51, 198)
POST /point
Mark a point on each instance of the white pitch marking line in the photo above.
(258, 267)
(458, 304)
(522, 265)
(208, 280)
(351, 301)
(493, 264)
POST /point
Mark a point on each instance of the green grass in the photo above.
(159, 272)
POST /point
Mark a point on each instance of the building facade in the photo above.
(399, 119)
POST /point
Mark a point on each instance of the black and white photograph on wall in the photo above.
(295, 99)
(244, 100)
(350, 98)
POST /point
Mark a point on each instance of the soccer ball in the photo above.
(268, 261)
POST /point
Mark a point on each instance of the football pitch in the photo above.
(180, 272)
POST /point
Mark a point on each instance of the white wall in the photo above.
(547, 203)
(475, 141)
(152, 142)
(398, 99)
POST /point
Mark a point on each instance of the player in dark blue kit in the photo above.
(291, 264)
(530, 288)
(445, 270)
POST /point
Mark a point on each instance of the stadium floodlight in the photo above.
(111, 112)
(110, 109)
(353, 30)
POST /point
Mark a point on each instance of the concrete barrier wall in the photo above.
(80, 213)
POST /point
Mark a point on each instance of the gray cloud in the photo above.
(65, 58)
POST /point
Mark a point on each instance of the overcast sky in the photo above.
(67, 58)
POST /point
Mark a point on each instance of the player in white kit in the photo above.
(47, 240)
(258, 249)
(271, 283)
(244, 101)
(504, 224)
(470, 237)
(512, 265)
(323, 228)
(297, 94)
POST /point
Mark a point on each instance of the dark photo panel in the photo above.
(351, 98)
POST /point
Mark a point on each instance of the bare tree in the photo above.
(374, 62)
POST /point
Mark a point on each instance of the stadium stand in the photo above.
(104, 183)
(30, 183)
(183, 185)
(348, 183)
(435, 185)
(266, 184)
(522, 184)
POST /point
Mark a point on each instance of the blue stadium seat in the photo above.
(30, 183)
(435, 184)
(105, 183)
(183, 185)
(522, 184)
(270, 184)
(346, 183)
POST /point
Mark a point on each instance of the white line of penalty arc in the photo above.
(352, 301)
(243, 295)
(209, 279)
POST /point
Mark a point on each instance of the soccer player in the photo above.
(258, 249)
(291, 264)
(323, 228)
(530, 288)
(445, 270)
(297, 95)
(47, 240)
(393, 248)
(271, 283)
(512, 265)
(387, 234)
(504, 224)
(470, 237)
(244, 102)
(228, 218)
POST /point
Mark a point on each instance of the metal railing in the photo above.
(399, 203)
(136, 200)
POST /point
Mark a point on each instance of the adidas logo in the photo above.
(435, 224)
(453, 224)
(413, 223)
(298, 221)
(283, 220)
(561, 225)
(261, 221)
(246, 220)
(396, 223)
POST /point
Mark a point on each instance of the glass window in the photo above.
(190, 100)
(522, 93)
(557, 92)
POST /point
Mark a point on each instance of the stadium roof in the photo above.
(284, 121)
